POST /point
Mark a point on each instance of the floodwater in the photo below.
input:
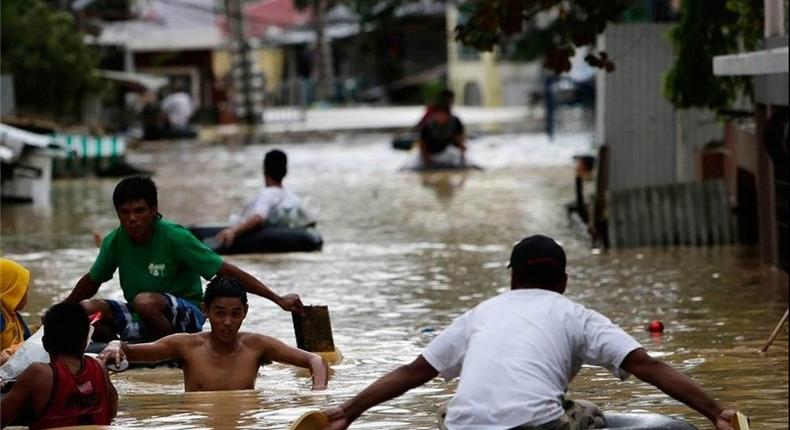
(405, 253)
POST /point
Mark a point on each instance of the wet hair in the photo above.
(135, 188)
(66, 329)
(444, 101)
(223, 286)
(275, 164)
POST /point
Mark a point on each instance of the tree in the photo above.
(53, 70)
(551, 29)
(707, 29)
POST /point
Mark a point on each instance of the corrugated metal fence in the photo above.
(695, 213)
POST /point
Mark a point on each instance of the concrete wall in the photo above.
(270, 61)
(650, 143)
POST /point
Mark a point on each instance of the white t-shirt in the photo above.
(278, 206)
(178, 108)
(517, 352)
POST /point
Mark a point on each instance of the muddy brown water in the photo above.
(405, 253)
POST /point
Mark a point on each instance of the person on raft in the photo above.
(273, 206)
(442, 137)
(517, 352)
(224, 358)
(160, 264)
(72, 389)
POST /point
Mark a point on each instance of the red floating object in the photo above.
(655, 326)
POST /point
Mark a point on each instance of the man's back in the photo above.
(516, 354)
(438, 135)
(59, 397)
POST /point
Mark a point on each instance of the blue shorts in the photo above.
(183, 315)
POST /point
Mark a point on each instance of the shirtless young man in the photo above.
(224, 358)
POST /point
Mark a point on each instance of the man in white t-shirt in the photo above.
(273, 206)
(517, 352)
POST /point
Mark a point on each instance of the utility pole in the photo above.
(323, 72)
(248, 83)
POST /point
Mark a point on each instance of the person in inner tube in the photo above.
(516, 354)
(159, 264)
(442, 136)
(274, 205)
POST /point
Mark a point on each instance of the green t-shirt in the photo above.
(170, 262)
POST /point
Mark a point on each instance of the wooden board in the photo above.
(313, 332)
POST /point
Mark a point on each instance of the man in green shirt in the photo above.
(160, 264)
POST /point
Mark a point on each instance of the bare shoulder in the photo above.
(255, 339)
(258, 341)
(36, 370)
(186, 339)
(183, 341)
(37, 374)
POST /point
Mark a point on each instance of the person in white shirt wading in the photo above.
(273, 206)
(517, 352)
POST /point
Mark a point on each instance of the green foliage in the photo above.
(567, 25)
(491, 23)
(53, 70)
(706, 29)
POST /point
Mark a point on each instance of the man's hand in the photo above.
(337, 418)
(113, 352)
(226, 237)
(291, 303)
(724, 420)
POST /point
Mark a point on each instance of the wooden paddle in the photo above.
(739, 421)
(314, 420)
(775, 333)
(314, 333)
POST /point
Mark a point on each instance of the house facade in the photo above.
(761, 151)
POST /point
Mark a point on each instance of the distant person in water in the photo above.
(442, 138)
(516, 354)
(444, 98)
(274, 204)
(72, 389)
(159, 264)
(178, 107)
(224, 358)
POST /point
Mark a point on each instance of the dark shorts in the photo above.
(183, 315)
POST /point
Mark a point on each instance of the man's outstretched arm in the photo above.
(30, 383)
(166, 348)
(228, 236)
(389, 386)
(288, 302)
(85, 289)
(678, 386)
(278, 351)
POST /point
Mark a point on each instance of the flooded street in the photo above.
(404, 254)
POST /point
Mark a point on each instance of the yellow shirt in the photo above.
(13, 294)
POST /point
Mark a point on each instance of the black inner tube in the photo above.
(264, 240)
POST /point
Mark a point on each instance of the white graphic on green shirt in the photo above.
(156, 269)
